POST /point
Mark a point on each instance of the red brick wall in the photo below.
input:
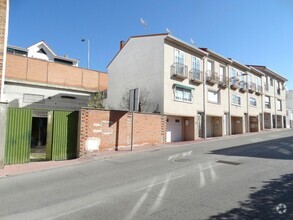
(3, 12)
(113, 129)
(35, 70)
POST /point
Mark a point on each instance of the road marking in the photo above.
(159, 198)
(202, 181)
(186, 153)
(212, 172)
(158, 183)
(140, 201)
(173, 156)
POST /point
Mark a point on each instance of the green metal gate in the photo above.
(62, 135)
(18, 136)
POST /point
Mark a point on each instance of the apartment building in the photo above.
(274, 98)
(202, 93)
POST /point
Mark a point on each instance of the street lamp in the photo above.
(88, 51)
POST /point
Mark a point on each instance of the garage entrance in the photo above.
(214, 126)
(253, 123)
(236, 125)
(174, 129)
(52, 138)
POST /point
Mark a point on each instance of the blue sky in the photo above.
(249, 31)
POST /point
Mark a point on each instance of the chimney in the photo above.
(122, 43)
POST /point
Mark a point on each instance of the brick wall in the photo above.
(3, 12)
(111, 130)
(35, 70)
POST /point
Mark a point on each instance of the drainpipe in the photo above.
(204, 100)
(275, 103)
(247, 103)
(262, 104)
(229, 101)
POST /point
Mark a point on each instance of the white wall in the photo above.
(171, 106)
(43, 97)
(138, 65)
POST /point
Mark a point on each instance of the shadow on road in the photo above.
(281, 148)
(263, 203)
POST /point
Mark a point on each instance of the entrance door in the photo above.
(217, 126)
(18, 136)
(62, 135)
(174, 128)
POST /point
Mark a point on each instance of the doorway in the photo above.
(38, 139)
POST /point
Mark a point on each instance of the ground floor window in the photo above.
(236, 99)
(183, 94)
(252, 101)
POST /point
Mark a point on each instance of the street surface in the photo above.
(243, 177)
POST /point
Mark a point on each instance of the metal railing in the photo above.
(195, 75)
(251, 86)
(179, 69)
(258, 89)
(212, 76)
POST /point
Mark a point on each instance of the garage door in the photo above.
(174, 129)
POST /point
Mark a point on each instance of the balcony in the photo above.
(258, 90)
(195, 76)
(234, 83)
(251, 87)
(223, 81)
(211, 77)
(242, 86)
(179, 70)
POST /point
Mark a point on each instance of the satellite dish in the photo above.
(143, 22)
(168, 31)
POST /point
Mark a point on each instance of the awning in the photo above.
(183, 87)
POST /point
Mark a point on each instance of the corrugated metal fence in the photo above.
(61, 135)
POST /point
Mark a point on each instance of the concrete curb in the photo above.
(18, 169)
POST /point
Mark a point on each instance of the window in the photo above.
(279, 105)
(267, 102)
(272, 81)
(179, 57)
(31, 98)
(183, 94)
(222, 73)
(233, 76)
(210, 69)
(195, 66)
(214, 97)
(236, 99)
(252, 101)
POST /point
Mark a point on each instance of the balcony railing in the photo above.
(223, 81)
(179, 70)
(195, 75)
(258, 90)
(242, 86)
(251, 87)
(234, 83)
(211, 77)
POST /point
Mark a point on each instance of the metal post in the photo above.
(132, 123)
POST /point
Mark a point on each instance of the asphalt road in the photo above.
(244, 177)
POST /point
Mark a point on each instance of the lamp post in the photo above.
(88, 51)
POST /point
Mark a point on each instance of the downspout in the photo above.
(262, 104)
(247, 103)
(204, 100)
(229, 101)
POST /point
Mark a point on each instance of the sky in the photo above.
(256, 32)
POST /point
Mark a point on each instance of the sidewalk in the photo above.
(17, 169)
